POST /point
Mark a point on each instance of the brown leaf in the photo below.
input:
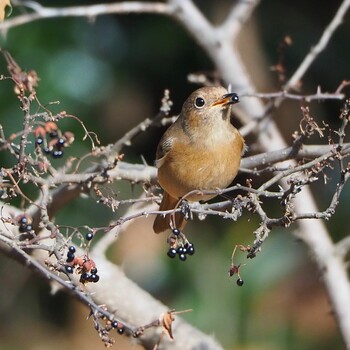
(166, 322)
(3, 5)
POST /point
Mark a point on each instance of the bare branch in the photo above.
(320, 46)
(287, 95)
(240, 12)
(92, 11)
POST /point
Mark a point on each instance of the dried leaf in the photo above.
(3, 5)
(166, 321)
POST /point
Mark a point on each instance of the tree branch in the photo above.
(320, 46)
(90, 11)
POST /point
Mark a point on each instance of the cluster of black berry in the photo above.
(55, 143)
(56, 150)
(25, 224)
(182, 250)
(90, 276)
(86, 267)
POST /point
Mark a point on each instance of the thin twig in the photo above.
(91, 11)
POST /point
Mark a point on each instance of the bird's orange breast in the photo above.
(189, 167)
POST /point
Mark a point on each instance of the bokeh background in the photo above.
(111, 72)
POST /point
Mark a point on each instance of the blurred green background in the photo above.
(111, 72)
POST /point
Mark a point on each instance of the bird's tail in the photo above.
(162, 222)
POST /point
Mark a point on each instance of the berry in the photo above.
(70, 256)
(71, 249)
(182, 257)
(60, 142)
(190, 249)
(93, 271)
(121, 330)
(69, 269)
(23, 228)
(57, 153)
(94, 278)
(180, 250)
(29, 228)
(89, 236)
(114, 324)
(39, 141)
(47, 150)
(85, 276)
(176, 231)
(171, 253)
(23, 220)
(240, 282)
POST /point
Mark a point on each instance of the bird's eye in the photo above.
(199, 102)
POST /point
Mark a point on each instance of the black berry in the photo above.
(182, 257)
(171, 253)
(114, 324)
(89, 236)
(180, 250)
(240, 282)
(23, 228)
(176, 231)
(85, 276)
(57, 154)
(190, 249)
(29, 228)
(39, 141)
(23, 220)
(121, 330)
(60, 142)
(47, 150)
(70, 256)
(69, 269)
(71, 249)
(94, 278)
(93, 271)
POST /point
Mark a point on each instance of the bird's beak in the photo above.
(227, 99)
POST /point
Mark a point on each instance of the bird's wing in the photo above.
(164, 146)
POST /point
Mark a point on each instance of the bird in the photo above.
(200, 151)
